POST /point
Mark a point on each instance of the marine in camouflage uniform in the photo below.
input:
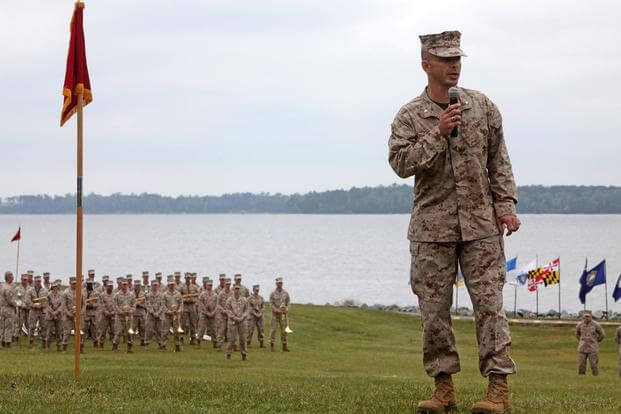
(255, 316)
(221, 316)
(464, 195)
(36, 318)
(244, 290)
(221, 280)
(207, 309)
(189, 321)
(279, 303)
(124, 307)
(23, 310)
(154, 303)
(8, 310)
(172, 310)
(589, 334)
(237, 309)
(91, 316)
(54, 316)
(140, 314)
(107, 314)
(69, 313)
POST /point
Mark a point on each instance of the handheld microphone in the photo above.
(453, 94)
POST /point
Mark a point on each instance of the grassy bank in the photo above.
(342, 360)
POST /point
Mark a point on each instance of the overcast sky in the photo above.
(208, 97)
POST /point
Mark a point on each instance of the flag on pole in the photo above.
(511, 264)
(18, 235)
(519, 277)
(76, 75)
(553, 276)
(592, 278)
(616, 294)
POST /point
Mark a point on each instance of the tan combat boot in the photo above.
(497, 398)
(443, 399)
(284, 348)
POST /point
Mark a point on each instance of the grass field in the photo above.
(342, 360)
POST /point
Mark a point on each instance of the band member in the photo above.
(36, 296)
(155, 308)
(237, 311)
(238, 281)
(207, 309)
(140, 315)
(189, 320)
(46, 281)
(54, 316)
(124, 306)
(221, 283)
(8, 310)
(173, 308)
(255, 316)
(145, 282)
(69, 313)
(23, 309)
(221, 316)
(107, 314)
(91, 298)
(279, 303)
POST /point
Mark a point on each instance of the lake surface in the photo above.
(323, 258)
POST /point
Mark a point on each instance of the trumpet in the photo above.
(283, 309)
(91, 301)
(140, 300)
(39, 300)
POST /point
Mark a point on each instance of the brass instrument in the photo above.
(140, 300)
(91, 301)
(176, 317)
(187, 297)
(130, 330)
(73, 330)
(283, 309)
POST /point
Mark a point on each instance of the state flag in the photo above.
(590, 279)
(616, 294)
(18, 235)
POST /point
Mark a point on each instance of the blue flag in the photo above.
(592, 278)
(511, 264)
(616, 294)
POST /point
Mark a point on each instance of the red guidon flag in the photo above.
(76, 76)
(17, 236)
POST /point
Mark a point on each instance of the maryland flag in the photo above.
(76, 75)
(18, 235)
(545, 275)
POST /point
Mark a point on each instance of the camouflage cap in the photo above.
(25, 276)
(145, 273)
(30, 272)
(177, 274)
(154, 282)
(46, 274)
(587, 312)
(255, 286)
(129, 276)
(91, 271)
(170, 279)
(72, 279)
(209, 282)
(205, 279)
(118, 279)
(56, 283)
(37, 278)
(8, 273)
(105, 278)
(238, 276)
(227, 281)
(124, 281)
(445, 44)
(222, 276)
(279, 280)
(158, 274)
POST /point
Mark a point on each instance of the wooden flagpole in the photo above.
(78, 266)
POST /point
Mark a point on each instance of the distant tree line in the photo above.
(393, 199)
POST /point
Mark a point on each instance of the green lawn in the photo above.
(342, 360)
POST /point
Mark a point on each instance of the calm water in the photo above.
(323, 258)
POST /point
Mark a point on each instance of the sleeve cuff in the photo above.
(505, 207)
